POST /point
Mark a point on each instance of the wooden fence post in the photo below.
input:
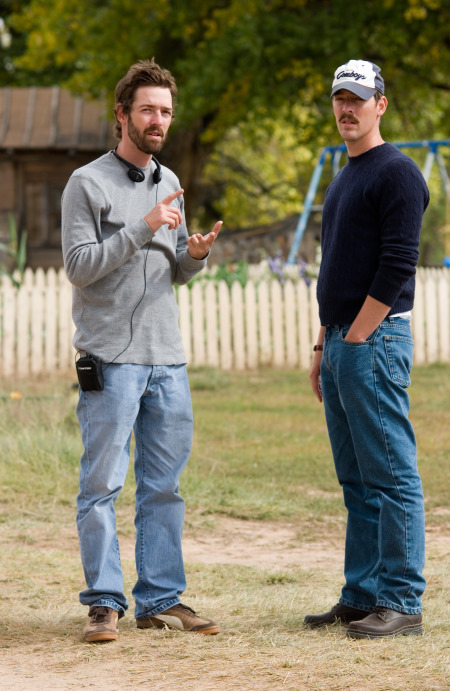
(262, 324)
(212, 342)
(51, 321)
(226, 358)
(251, 325)
(418, 320)
(290, 323)
(8, 327)
(237, 316)
(443, 300)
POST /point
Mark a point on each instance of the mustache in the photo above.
(349, 116)
(154, 130)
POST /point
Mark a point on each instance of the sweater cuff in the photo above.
(385, 291)
(140, 233)
(192, 264)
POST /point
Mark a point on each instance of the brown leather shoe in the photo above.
(102, 624)
(179, 617)
(340, 613)
(386, 622)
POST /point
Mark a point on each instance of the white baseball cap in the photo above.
(360, 77)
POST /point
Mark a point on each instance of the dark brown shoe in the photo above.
(340, 613)
(179, 617)
(102, 625)
(386, 622)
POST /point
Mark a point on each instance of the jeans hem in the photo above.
(363, 608)
(161, 608)
(104, 602)
(399, 608)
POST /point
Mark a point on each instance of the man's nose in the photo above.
(157, 118)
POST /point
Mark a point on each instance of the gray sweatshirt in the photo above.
(124, 305)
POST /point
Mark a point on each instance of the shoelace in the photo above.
(100, 614)
(186, 607)
(381, 611)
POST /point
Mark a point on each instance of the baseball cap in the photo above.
(360, 77)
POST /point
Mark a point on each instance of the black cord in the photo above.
(135, 308)
(141, 298)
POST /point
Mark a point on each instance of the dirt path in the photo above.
(40, 666)
(261, 544)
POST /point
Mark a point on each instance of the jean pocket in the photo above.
(399, 353)
(369, 340)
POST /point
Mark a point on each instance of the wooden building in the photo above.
(45, 134)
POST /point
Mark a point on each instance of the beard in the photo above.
(140, 140)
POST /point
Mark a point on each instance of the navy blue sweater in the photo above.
(371, 224)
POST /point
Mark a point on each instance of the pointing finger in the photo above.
(170, 197)
(210, 237)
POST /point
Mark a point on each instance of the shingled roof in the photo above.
(52, 118)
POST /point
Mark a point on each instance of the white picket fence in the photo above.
(264, 323)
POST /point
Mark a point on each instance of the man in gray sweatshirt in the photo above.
(125, 244)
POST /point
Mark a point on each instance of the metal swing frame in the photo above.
(434, 154)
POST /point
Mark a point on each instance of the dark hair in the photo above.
(377, 95)
(142, 73)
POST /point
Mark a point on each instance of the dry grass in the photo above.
(263, 644)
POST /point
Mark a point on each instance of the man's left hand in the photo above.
(199, 245)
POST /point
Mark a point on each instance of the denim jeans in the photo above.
(155, 401)
(374, 449)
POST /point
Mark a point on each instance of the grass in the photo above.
(260, 446)
(260, 453)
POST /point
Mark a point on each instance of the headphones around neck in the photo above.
(136, 174)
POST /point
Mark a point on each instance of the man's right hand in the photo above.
(314, 375)
(164, 214)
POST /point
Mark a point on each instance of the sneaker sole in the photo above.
(406, 631)
(156, 624)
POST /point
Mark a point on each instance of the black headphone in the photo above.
(136, 174)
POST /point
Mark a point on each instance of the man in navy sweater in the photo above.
(371, 224)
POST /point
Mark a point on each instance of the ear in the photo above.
(120, 115)
(382, 105)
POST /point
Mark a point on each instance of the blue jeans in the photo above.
(374, 449)
(155, 401)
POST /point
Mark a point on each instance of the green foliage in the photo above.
(434, 239)
(259, 170)
(230, 61)
(260, 447)
(270, 267)
(254, 78)
(16, 249)
(12, 43)
(228, 272)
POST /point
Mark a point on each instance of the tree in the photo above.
(245, 65)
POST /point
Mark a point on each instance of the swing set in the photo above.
(434, 155)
